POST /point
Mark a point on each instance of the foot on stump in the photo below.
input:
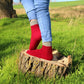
(42, 67)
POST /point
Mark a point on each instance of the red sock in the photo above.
(45, 52)
(35, 37)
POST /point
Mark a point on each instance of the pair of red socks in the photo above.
(45, 52)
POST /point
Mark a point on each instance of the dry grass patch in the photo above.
(74, 11)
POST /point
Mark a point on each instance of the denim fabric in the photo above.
(29, 8)
(38, 9)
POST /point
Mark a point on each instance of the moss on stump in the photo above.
(57, 67)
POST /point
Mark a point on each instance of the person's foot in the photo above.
(45, 52)
(35, 35)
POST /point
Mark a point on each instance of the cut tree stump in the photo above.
(44, 68)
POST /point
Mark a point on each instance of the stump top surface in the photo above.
(63, 61)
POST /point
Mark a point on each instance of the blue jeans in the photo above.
(39, 9)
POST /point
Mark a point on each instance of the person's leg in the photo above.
(35, 31)
(43, 18)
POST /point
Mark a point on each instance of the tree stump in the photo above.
(44, 68)
(6, 9)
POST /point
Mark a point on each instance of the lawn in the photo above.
(65, 4)
(68, 38)
(58, 4)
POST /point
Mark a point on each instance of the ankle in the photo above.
(47, 44)
(33, 22)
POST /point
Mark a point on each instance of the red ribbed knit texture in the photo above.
(45, 53)
(35, 37)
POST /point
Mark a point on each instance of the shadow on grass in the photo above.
(9, 48)
(5, 45)
(8, 21)
(24, 16)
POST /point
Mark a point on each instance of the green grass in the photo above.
(65, 4)
(18, 6)
(68, 38)
(59, 4)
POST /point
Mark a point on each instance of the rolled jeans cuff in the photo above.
(31, 15)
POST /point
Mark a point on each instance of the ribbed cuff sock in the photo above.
(45, 52)
(35, 35)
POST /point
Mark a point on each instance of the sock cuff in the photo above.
(47, 43)
(33, 22)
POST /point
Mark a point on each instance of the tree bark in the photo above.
(44, 68)
(6, 9)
